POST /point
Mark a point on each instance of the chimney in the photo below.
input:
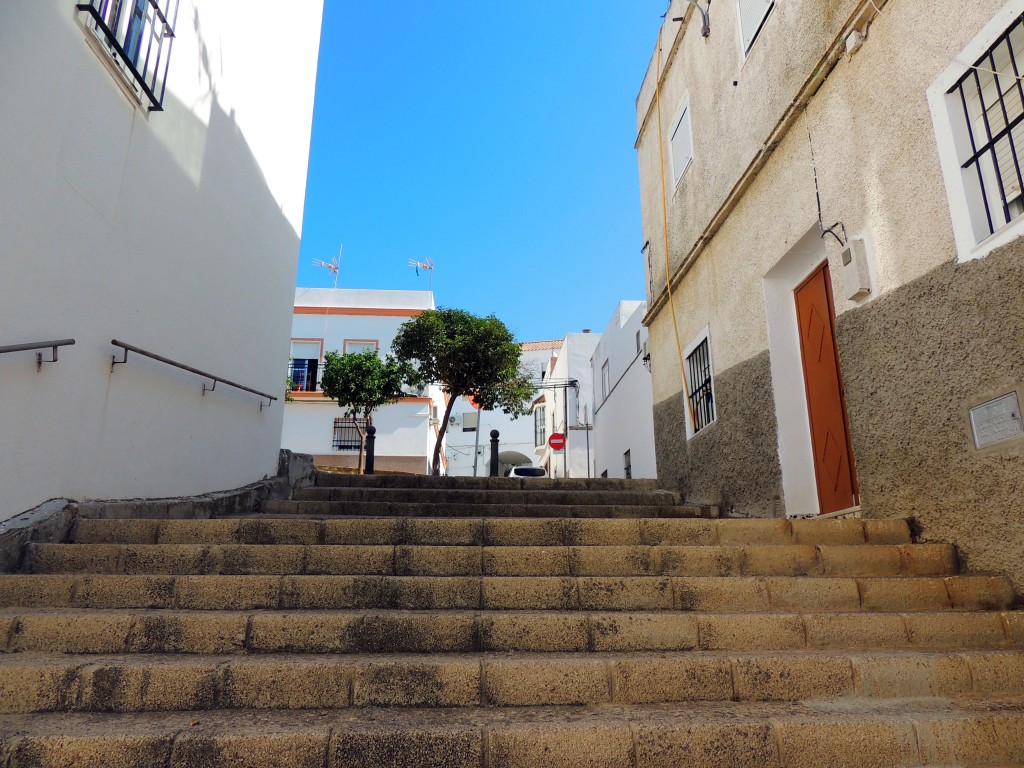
(586, 330)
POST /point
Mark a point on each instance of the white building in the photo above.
(350, 320)
(151, 191)
(563, 406)
(517, 436)
(623, 405)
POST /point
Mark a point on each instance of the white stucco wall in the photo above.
(402, 428)
(624, 421)
(175, 231)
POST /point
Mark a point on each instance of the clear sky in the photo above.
(496, 139)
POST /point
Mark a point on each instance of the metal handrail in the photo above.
(215, 379)
(39, 345)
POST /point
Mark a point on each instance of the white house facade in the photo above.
(344, 321)
(564, 407)
(517, 438)
(152, 181)
(623, 404)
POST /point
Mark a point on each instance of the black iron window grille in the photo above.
(990, 98)
(138, 34)
(303, 375)
(346, 434)
(702, 398)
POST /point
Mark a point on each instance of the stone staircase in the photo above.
(450, 622)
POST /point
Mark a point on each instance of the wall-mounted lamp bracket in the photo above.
(705, 16)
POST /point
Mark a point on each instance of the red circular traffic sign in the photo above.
(557, 441)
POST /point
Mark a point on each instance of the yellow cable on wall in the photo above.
(664, 223)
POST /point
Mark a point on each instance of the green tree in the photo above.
(468, 356)
(362, 382)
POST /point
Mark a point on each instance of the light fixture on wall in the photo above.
(705, 16)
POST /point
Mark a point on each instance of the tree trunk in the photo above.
(436, 463)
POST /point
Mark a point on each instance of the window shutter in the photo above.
(752, 14)
(305, 350)
(681, 144)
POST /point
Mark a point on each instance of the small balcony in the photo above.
(304, 375)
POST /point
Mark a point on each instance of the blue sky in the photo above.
(496, 140)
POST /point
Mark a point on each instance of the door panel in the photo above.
(833, 457)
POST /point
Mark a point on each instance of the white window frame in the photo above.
(947, 119)
(746, 47)
(683, 114)
(358, 345)
(705, 334)
(606, 381)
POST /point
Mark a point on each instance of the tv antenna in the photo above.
(334, 265)
(427, 266)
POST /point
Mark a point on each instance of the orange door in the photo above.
(830, 437)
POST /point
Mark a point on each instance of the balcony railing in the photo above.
(138, 34)
(304, 375)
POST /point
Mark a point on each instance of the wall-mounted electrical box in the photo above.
(856, 274)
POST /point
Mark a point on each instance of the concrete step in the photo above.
(143, 682)
(492, 531)
(416, 560)
(392, 631)
(729, 594)
(344, 480)
(848, 734)
(510, 496)
(465, 509)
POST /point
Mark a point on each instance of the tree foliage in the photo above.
(468, 356)
(362, 382)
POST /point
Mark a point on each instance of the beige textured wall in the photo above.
(932, 335)
(874, 151)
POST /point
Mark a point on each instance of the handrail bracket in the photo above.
(40, 361)
(114, 361)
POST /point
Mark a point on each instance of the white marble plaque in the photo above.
(996, 420)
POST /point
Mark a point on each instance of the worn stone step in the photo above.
(492, 531)
(428, 509)
(730, 594)
(855, 734)
(491, 496)
(346, 480)
(145, 682)
(417, 560)
(394, 631)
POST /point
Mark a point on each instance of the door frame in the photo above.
(830, 300)
(793, 425)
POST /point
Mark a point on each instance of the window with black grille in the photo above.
(540, 426)
(990, 102)
(702, 398)
(346, 434)
(137, 35)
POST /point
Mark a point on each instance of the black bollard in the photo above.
(371, 438)
(494, 453)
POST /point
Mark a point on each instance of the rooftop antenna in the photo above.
(427, 266)
(334, 265)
